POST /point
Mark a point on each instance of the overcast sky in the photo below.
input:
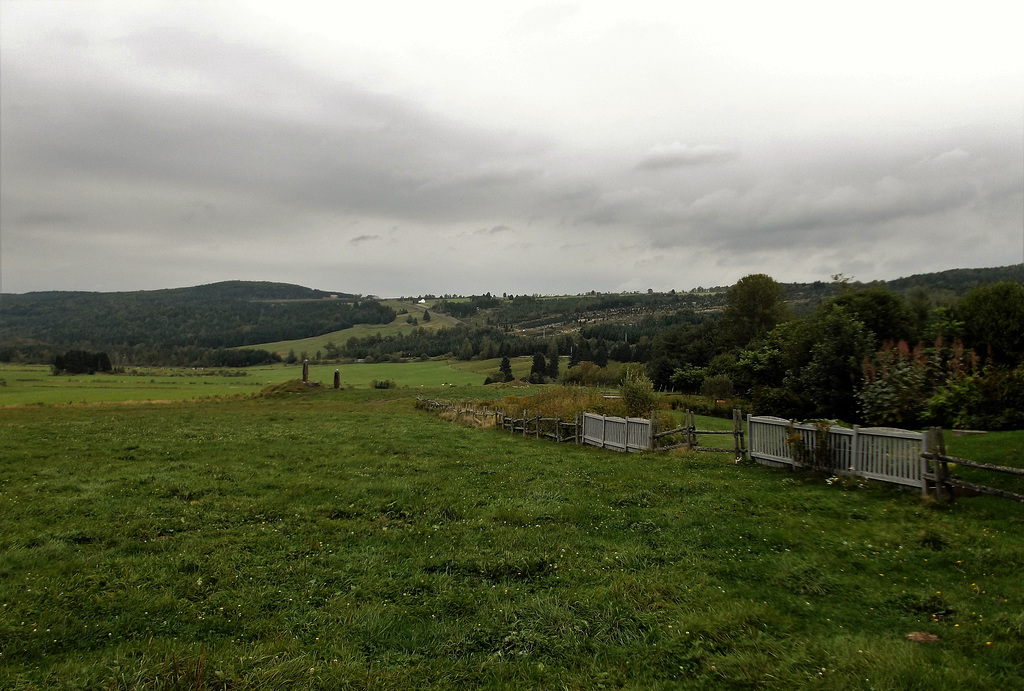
(403, 148)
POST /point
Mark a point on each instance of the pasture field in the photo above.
(343, 539)
(34, 384)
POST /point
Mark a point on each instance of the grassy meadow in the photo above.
(344, 539)
(34, 384)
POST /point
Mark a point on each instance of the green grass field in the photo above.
(344, 539)
(34, 384)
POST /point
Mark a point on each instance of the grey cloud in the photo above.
(683, 156)
(200, 143)
(372, 155)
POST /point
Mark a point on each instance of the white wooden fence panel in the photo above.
(621, 434)
(892, 455)
(880, 453)
(766, 441)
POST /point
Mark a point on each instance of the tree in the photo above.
(753, 307)
(539, 367)
(552, 368)
(993, 317)
(810, 367)
(426, 315)
(716, 387)
(882, 311)
(506, 369)
(580, 352)
(825, 354)
(621, 352)
(688, 378)
(81, 362)
(488, 349)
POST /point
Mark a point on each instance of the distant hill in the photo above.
(959, 281)
(218, 315)
(147, 326)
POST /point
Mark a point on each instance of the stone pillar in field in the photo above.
(305, 371)
(337, 379)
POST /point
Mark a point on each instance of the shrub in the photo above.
(688, 378)
(777, 401)
(717, 387)
(588, 374)
(637, 393)
(992, 399)
(815, 458)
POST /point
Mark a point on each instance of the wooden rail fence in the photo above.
(938, 480)
(897, 456)
(604, 431)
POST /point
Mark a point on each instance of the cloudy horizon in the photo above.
(531, 147)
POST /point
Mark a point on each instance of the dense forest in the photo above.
(177, 326)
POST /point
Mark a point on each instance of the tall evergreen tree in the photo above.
(506, 369)
(540, 365)
(552, 368)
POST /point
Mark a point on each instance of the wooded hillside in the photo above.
(219, 315)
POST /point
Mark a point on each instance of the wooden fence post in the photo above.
(941, 470)
(337, 379)
(737, 433)
(305, 371)
(855, 463)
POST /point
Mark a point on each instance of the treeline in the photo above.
(859, 353)
(78, 361)
(81, 362)
(866, 355)
(530, 311)
(220, 316)
(460, 341)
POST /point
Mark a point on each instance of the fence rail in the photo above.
(939, 481)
